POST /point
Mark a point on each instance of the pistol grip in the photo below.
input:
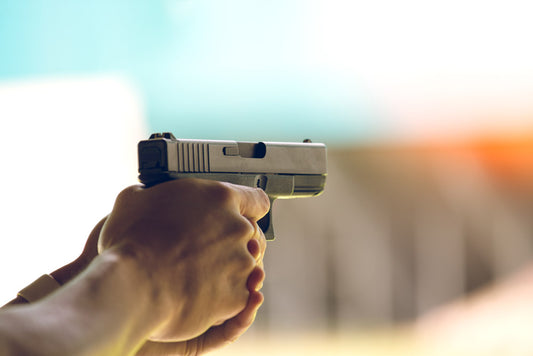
(265, 223)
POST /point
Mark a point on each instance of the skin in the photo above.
(178, 273)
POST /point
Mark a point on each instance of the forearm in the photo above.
(108, 309)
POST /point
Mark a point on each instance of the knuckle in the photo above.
(247, 262)
(127, 193)
(242, 264)
(220, 194)
(240, 227)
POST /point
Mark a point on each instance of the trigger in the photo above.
(265, 223)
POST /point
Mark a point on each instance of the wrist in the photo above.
(121, 299)
(167, 289)
(136, 285)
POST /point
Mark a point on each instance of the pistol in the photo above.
(284, 170)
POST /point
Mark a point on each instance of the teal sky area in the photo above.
(205, 69)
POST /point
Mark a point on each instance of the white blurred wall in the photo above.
(67, 147)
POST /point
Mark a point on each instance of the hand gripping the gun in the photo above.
(282, 170)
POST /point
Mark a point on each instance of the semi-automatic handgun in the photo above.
(284, 170)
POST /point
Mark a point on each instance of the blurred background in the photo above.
(423, 239)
